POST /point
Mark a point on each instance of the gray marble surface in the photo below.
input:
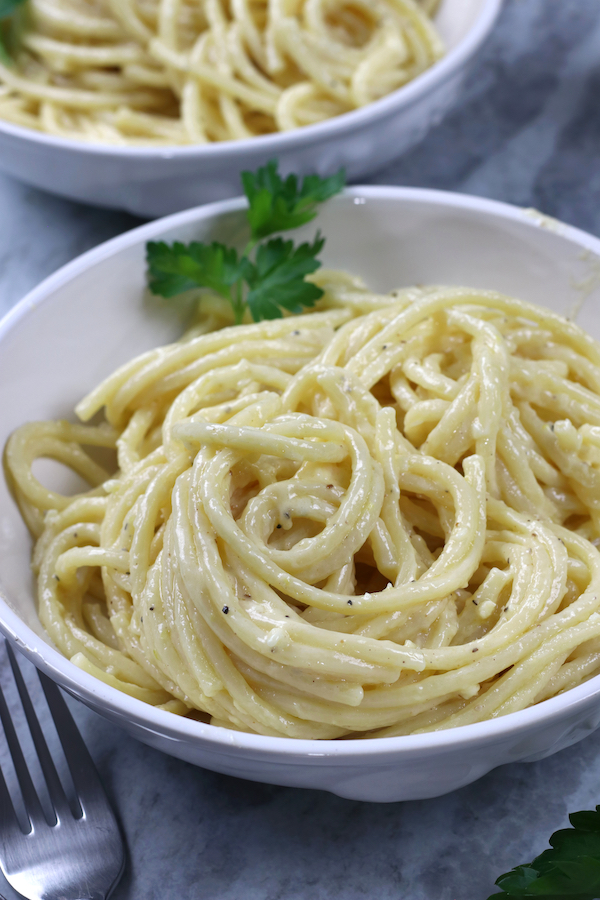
(526, 131)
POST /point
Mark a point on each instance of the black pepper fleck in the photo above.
(279, 526)
(225, 609)
(349, 602)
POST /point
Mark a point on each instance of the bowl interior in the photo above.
(455, 18)
(93, 315)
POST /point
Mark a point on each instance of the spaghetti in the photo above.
(374, 519)
(156, 72)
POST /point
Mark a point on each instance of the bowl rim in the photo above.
(114, 703)
(280, 141)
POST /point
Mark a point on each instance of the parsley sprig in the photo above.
(7, 9)
(268, 277)
(570, 870)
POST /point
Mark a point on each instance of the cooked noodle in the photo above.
(375, 519)
(196, 71)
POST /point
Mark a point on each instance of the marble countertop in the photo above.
(527, 131)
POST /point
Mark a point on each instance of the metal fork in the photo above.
(75, 857)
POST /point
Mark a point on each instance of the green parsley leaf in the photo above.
(175, 268)
(7, 8)
(276, 204)
(276, 279)
(571, 869)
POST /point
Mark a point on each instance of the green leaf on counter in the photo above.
(570, 869)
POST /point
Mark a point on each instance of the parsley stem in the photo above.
(252, 243)
(237, 301)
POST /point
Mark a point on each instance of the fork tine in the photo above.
(81, 765)
(33, 807)
(8, 816)
(55, 788)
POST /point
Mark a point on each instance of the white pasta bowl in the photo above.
(91, 316)
(158, 181)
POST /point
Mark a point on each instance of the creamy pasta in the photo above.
(195, 71)
(374, 519)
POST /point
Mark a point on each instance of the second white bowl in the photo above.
(157, 181)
